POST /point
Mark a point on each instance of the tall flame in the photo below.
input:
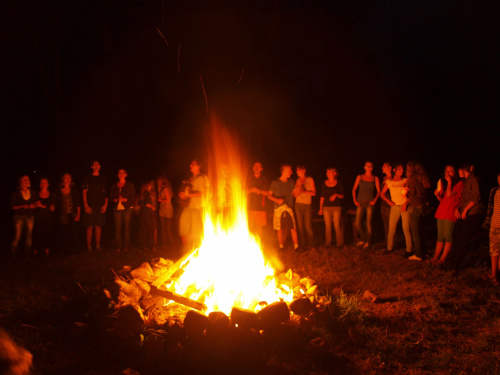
(229, 269)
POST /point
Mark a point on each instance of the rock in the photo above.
(274, 314)
(244, 318)
(142, 286)
(144, 272)
(128, 324)
(153, 349)
(217, 322)
(301, 306)
(195, 323)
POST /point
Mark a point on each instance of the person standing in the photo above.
(23, 203)
(44, 218)
(281, 193)
(397, 186)
(257, 190)
(330, 206)
(492, 222)
(418, 184)
(191, 220)
(95, 203)
(385, 208)
(449, 193)
(122, 196)
(166, 213)
(68, 205)
(147, 215)
(364, 199)
(303, 193)
(468, 213)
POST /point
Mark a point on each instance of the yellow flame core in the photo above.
(229, 269)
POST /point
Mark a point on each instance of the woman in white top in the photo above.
(398, 189)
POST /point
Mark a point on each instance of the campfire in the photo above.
(225, 284)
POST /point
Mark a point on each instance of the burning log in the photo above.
(179, 299)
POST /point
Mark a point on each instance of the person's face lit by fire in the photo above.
(122, 174)
(96, 167)
(331, 174)
(66, 179)
(44, 184)
(449, 171)
(368, 168)
(301, 172)
(398, 172)
(24, 183)
(461, 173)
(287, 172)
(257, 169)
(386, 169)
(194, 167)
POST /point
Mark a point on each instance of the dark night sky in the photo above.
(324, 83)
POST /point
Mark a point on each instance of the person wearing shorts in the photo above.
(281, 193)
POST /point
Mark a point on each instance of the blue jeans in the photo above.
(23, 222)
(333, 214)
(364, 207)
(303, 215)
(123, 219)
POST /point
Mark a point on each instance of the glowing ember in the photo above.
(229, 269)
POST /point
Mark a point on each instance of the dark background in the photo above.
(324, 83)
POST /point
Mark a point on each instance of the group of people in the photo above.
(40, 213)
(402, 194)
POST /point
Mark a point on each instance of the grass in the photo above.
(425, 320)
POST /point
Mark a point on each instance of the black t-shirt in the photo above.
(327, 192)
(96, 190)
(257, 202)
(45, 213)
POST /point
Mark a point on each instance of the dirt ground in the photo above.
(425, 319)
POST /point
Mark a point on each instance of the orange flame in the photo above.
(229, 269)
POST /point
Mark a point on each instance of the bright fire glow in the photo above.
(229, 269)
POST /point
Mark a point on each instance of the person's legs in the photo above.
(360, 210)
(328, 218)
(448, 238)
(494, 251)
(89, 238)
(300, 212)
(337, 216)
(18, 230)
(465, 229)
(28, 230)
(415, 215)
(369, 216)
(119, 218)
(127, 220)
(405, 218)
(385, 211)
(393, 222)
(98, 237)
(308, 225)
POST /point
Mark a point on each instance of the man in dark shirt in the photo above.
(281, 193)
(95, 203)
(257, 190)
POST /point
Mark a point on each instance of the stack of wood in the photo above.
(172, 326)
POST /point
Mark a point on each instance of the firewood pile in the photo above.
(171, 330)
